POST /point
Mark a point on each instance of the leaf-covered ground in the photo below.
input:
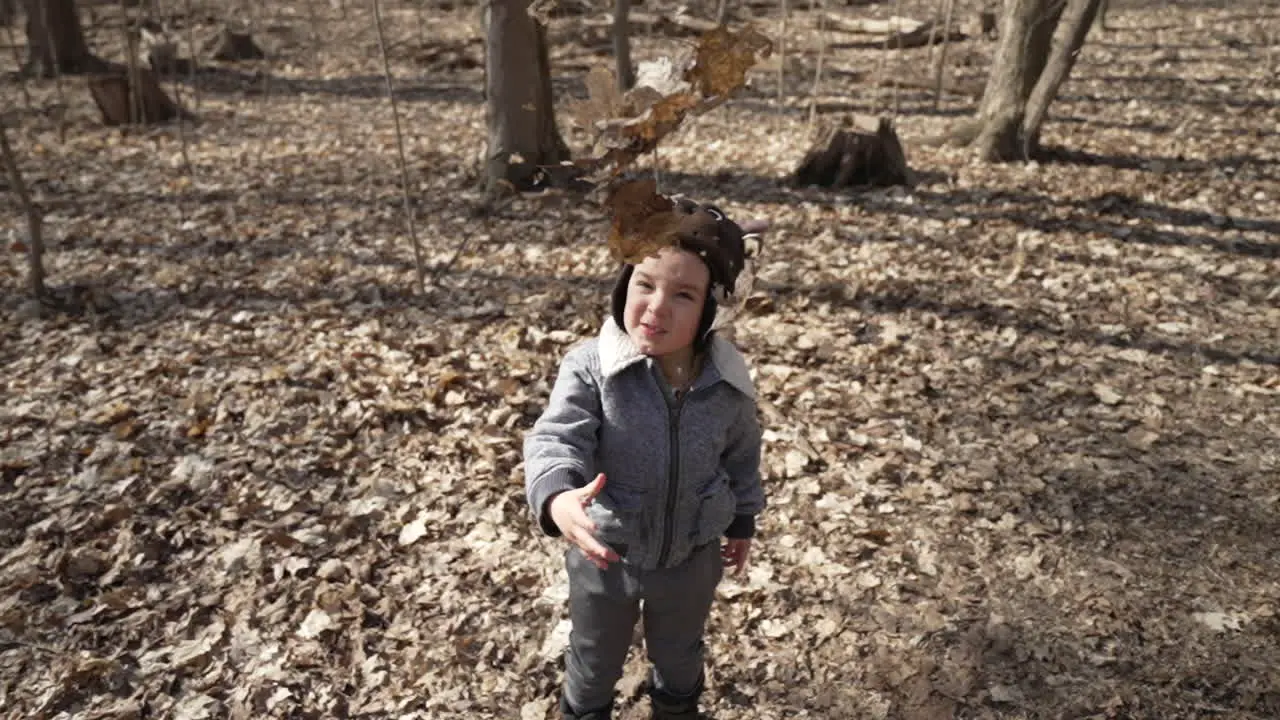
(1023, 421)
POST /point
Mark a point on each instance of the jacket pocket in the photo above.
(716, 506)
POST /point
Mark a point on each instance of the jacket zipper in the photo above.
(673, 478)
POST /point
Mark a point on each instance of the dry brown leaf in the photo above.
(643, 222)
(723, 58)
(667, 91)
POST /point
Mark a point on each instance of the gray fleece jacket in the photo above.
(679, 472)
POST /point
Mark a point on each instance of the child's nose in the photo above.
(661, 303)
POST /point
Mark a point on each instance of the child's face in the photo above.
(664, 301)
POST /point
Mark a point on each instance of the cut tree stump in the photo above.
(847, 157)
(125, 103)
(164, 59)
(161, 51)
(231, 46)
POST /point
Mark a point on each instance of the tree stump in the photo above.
(846, 157)
(161, 51)
(128, 103)
(164, 59)
(231, 46)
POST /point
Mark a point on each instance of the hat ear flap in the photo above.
(618, 300)
(706, 323)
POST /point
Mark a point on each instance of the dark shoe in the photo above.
(568, 713)
(673, 707)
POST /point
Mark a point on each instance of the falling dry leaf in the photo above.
(643, 221)
(1141, 438)
(195, 707)
(1106, 394)
(535, 709)
(412, 532)
(316, 622)
(723, 58)
(1218, 621)
(667, 92)
(1007, 694)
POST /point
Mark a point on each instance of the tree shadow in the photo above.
(1214, 104)
(1091, 216)
(1144, 126)
(1148, 522)
(1109, 213)
(1071, 156)
(1126, 537)
(1041, 325)
(136, 308)
(222, 80)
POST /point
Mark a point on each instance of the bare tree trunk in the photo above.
(1072, 30)
(55, 40)
(625, 74)
(1026, 34)
(521, 117)
(35, 237)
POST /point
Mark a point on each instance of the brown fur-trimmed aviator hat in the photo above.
(721, 243)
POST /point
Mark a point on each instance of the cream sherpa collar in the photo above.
(617, 352)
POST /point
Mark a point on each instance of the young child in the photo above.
(646, 456)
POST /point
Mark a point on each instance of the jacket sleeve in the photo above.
(559, 450)
(742, 462)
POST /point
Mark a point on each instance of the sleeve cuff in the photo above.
(743, 527)
(546, 489)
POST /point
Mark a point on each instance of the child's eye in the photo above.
(644, 284)
(686, 295)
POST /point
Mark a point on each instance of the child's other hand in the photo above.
(735, 552)
(568, 512)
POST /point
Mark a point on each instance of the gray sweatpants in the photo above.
(604, 606)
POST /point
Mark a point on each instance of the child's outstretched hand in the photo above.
(735, 552)
(568, 512)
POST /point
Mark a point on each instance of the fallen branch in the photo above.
(651, 22)
(897, 33)
(868, 26)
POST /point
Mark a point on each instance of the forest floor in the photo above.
(1023, 421)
